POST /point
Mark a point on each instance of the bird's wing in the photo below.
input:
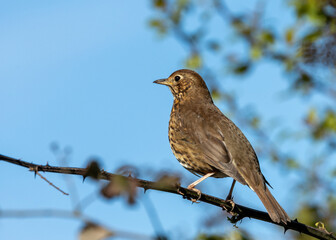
(210, 140)
(224, 146)
(243, 156)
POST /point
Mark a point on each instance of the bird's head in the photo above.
(186, 84)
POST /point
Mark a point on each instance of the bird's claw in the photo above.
(180, 192)
(199, 193)
(229, 198)
(184, 195)
(232, 203)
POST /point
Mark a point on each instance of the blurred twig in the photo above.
(58, 213)
(154, 218)
(238, 211)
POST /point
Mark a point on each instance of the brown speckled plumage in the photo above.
(205, 141)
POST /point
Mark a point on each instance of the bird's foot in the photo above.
(199, 193)
(229, 209)
(180, 192)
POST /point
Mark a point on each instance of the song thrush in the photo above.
(207, 143)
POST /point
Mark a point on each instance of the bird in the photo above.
(209, 144)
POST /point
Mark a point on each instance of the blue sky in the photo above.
(80, 73)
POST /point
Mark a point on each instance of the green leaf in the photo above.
(304, 82)
(241, 68)
(194, 61)
(289, 64)
(307, 214)
(233, 235)
(203, 236)
(180, 7)
(320, 225)
(159, 25)
(255, 52)
(267, 37)
(325, 126)
(311, 117)
(241, 27)
(255, 122)
(216, 95)
(160, 4)
(289, 36)
(291, 163)
(313, 36)
(330, 121)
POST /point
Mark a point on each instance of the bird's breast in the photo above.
(183, 145)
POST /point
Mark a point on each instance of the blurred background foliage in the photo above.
(306, 51)
(236, 43)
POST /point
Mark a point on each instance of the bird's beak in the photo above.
(162, 81)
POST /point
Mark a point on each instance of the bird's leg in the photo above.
(192, 185)
(229, 199)
(229, 196)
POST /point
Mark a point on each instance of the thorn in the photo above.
(285, 229)
(145, 189)
(35, 170)
(84, 177)
(47, 164)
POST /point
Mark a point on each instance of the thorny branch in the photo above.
(237, 211)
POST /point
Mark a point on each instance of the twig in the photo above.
(154, 219)
(239, 211)
(50, 183)
(58, 213)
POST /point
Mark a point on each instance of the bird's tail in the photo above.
(275, 211)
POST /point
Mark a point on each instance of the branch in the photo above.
(73, 215)
(237, 211)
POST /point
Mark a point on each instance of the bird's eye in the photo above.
(177, 78)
